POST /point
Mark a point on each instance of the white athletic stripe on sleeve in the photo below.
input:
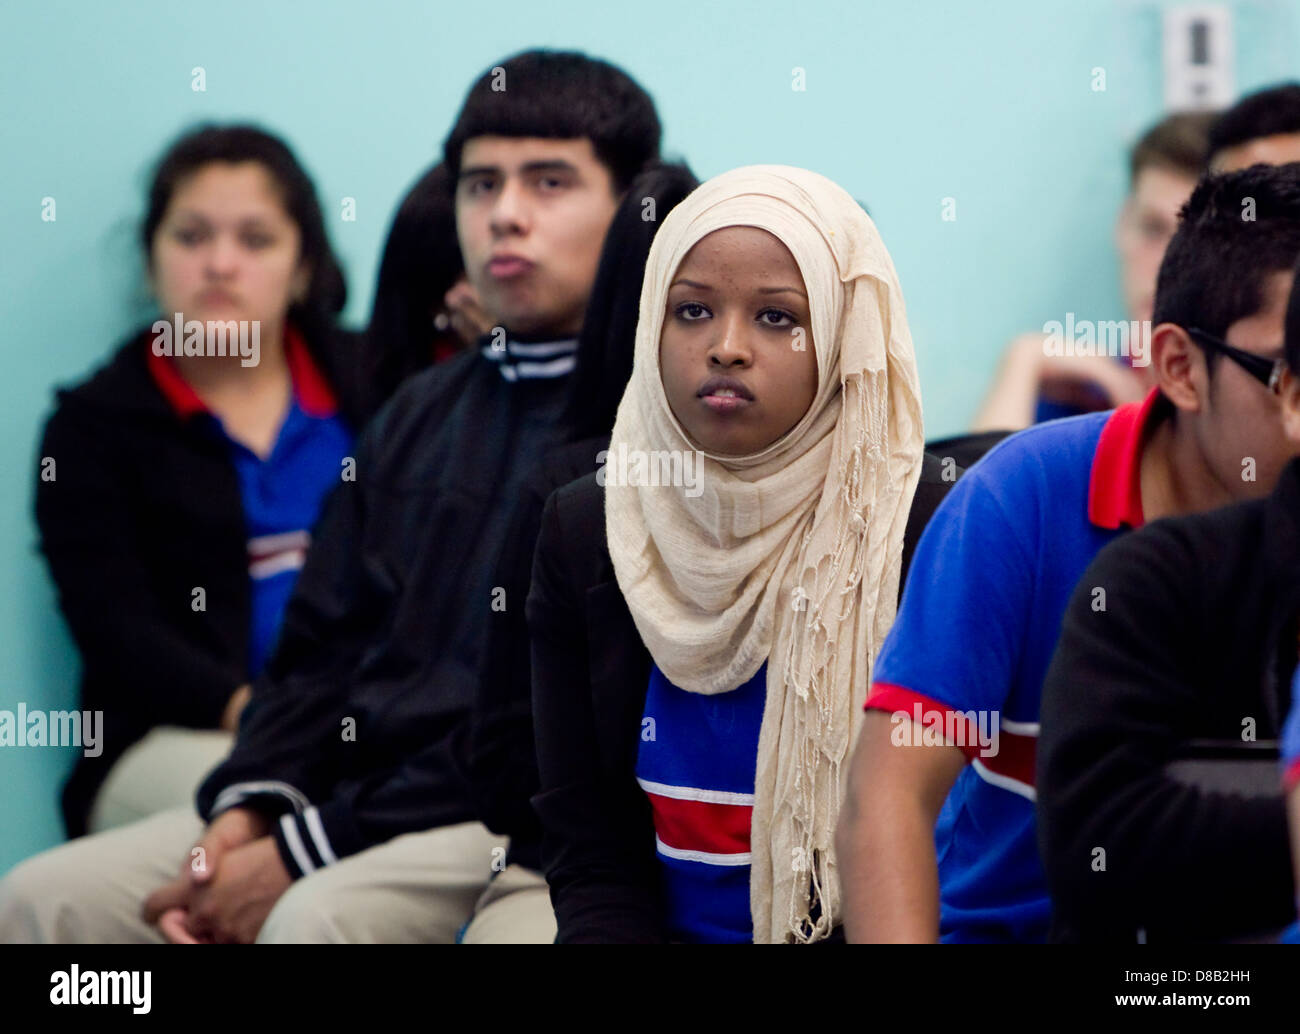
(317, 830)
(296, 847)
(236, 792)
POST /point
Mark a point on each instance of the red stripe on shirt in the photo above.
(1016, 757)
(702, 826)
(1291, 777)
(1016, 751)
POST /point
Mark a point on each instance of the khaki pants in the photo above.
(417, 888)
(515, 909)
(164, 770)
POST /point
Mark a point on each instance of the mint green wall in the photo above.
(906, 104)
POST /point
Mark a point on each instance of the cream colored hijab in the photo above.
(792, 554)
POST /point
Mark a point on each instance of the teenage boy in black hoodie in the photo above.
(343, 812)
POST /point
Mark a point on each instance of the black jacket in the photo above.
(358, 731)
(1197, 642)
(501, 762)
(590, 673)
(141, 509)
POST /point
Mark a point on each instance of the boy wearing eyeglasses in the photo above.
(938, 841)
(1196, 650)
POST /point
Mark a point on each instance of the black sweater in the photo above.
(590, 673)
(1198, 635)
(501, 762)
(143, 508)
(362, 718)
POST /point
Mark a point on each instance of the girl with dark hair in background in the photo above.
(424, 309)
(183, 487)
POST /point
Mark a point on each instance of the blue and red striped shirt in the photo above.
(696, 764)
(282, 495)
(975, 632)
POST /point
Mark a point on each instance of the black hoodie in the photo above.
(143, 508)
(356, 730)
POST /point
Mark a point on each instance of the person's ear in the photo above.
(1289, 390)
(1178, 367)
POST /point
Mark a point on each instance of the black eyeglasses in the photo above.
(1267, 371)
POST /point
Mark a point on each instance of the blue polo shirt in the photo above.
(696, 763)
(975, 632)
(282, 495)
(1290, 751)
(1290, 745)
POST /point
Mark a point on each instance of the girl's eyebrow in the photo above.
(258, 220)
(683, 282)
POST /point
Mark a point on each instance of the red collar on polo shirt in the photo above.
(1115, 487)
(309, 385)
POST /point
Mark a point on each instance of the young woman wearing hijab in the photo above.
(700, 652)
